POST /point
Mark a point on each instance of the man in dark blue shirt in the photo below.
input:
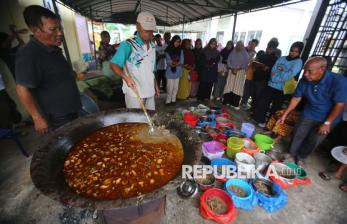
(45, 82)
(326, 96)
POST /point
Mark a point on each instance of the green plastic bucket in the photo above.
(300, 172)
(231, 152)
(235, 143)
(264, 142)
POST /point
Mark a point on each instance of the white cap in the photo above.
(146, 20)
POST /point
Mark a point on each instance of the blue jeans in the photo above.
(305, 139)
(57, 121)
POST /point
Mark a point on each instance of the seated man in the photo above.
(326, 95)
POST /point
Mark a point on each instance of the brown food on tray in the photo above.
(122, 161)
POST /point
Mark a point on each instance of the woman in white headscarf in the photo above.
(237, 63)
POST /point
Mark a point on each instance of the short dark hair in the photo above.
(255, 41)
(167, 34)
(33, 13)
(104, 33)
(157, 36)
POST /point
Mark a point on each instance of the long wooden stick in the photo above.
(140, 100)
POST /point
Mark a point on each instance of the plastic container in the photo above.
(275, 202)
(207, 213)
(222, 138)
(232, 152)
(204, 187)
(285, 173)
(213, 149)
(235, 133)
(248, 129)
(249, 202)
(264, 142)
(222, 162)
(225, 115)
(234, 146)
(300, 172)
(224, 122)
(213, 132)
(211, 114)
(223, 129)
(201, 112)
(235, 143)
(190, 119)
(245, 163)
(268, 184)
(261, 160)
(249, 147)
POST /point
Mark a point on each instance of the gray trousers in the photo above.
(218, 86)
(306, 138)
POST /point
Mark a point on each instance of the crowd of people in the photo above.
(236, 76)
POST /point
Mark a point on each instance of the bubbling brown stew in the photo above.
(122, 161)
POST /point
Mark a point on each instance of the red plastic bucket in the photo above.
(228, 217)
(190, 119)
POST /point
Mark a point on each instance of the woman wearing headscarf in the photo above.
(199, 64)
(188, 66)
(174, 60)
(209, 71)
(237, 63)
(222, 71)
(285, 68)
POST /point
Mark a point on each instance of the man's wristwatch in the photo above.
(327, 123)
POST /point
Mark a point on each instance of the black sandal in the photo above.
(324, 176)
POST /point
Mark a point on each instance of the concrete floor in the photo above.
(20, 202)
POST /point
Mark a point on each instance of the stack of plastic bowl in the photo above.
(234, 146)
(264, 142)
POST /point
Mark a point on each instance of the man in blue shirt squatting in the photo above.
(326, 96)
(134, 62)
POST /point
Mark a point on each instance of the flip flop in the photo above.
(343, 187)
(324, 176)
